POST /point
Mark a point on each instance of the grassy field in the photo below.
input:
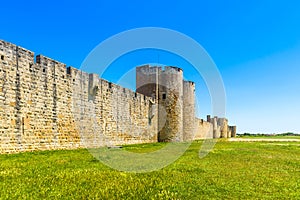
(233, 170)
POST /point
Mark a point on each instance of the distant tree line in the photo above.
(264, 134)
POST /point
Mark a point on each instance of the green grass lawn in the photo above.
(233, 170)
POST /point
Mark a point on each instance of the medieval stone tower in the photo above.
(175, 99)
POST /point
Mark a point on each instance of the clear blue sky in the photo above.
(255, 44)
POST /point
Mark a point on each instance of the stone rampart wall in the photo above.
(44, 105)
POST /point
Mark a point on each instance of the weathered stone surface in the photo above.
(176, 100)
(45, 105)
(214, 128)
(166, 87)
(189, 120)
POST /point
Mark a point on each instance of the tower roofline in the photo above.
(187, 81)
(174, 67)
(160, 67)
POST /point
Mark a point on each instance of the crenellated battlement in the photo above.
(9, 51)
(190, 83)
(45, 64)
